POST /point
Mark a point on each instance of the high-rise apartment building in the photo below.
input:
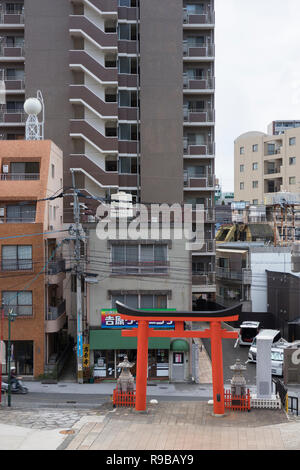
(129, 90)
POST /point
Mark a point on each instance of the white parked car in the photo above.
(277, 351)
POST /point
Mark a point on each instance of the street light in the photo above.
(11, 317)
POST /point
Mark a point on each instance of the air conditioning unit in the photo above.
(5, 168)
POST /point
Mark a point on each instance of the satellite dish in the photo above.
(32, 106)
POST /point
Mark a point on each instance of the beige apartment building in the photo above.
(266, 164)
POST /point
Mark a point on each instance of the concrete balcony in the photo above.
(81, 60)
(198, 116)
(244, 276)
(127, 47)
(200, 52)
(206, 18)
(12, 53)
(127, 13)
(83, 95)
(81, 128)
(203, 278)
(204, 183)
(127, 80)
(192, 84)
(191, 148)
(81, 26)
(56, 271)
(9, 117)
(12, 20)
(55, 318)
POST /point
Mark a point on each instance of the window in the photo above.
(24, 170)
(242, 185)
(127, 65)
(254, 184)
(110, 130)
(255, 148)
(128, 132)
(110, 61)
(292, 160)
(110, 96)
(254, 166)
(127, 99)
(14, 41)
(242, 150)
(19, 301)
(15, 106)
(20, 213)
(128, 165)
(255, 202)
(53, 170)
(141, 300)
(127, 3)
(16, 257)
(292, 180)
(14, 8)
(271, 149)
(195, 8)
(292, 141)
(242, 168)
(127, 32)
(139, 259)
(14, 74)
(111, 165)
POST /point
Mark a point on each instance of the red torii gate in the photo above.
(215, 333)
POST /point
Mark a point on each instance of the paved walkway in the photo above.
(186, 426)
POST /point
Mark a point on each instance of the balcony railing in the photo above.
(209, 246)
(207, 17)
(203, 278)
(198, 82)
(273, 171)
(202, 50)
(11, 116)
(9, 51)
(195, 115)
(55, 312)
(19, 176)
(194, 181)
(244, 276)
(190, 147)
(56, 267)
(14, 17)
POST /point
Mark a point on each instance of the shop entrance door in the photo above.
(178, 367)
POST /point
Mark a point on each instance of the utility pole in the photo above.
(76, 211)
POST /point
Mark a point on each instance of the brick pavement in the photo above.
(186, 426)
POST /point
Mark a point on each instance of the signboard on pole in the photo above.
(86, 355)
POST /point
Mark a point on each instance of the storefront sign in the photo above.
(86, 355)
(111, 319)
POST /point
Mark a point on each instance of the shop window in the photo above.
(21, 357)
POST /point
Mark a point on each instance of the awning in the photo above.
(113, 339)
(180, 345)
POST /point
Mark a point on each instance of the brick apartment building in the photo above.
(30, 171)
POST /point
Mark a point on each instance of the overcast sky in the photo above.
(257, 71)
